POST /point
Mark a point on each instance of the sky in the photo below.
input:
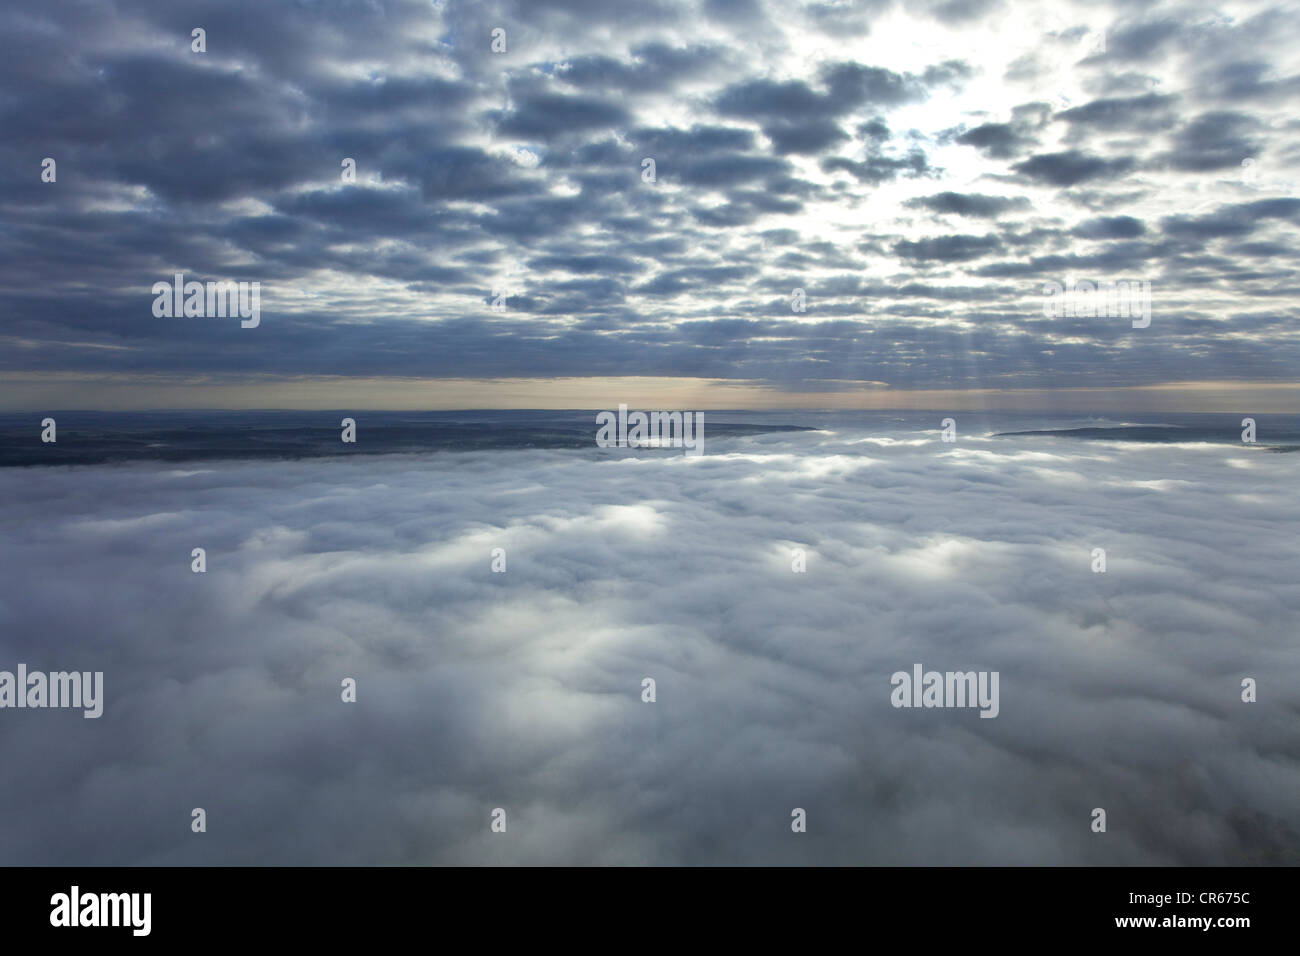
(921, 171)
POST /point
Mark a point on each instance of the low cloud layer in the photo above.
(522, 690)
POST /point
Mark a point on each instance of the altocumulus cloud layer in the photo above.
(920, 170)
(522, 690)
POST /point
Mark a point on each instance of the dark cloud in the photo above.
(1216, 140)
(652, 67)
(949, 248)
(1147, 114)
(1005, 140)
(1143, 38)
(969, 204)
(876, 169)
(1071, 167)
(840, 18)
(811, 138)
(1249, 80)
(548, 116)
(1000, 140)
(1232, 220)
(1110, 227)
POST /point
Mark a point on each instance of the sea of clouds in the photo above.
(522, 690)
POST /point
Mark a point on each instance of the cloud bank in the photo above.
(522, 690)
